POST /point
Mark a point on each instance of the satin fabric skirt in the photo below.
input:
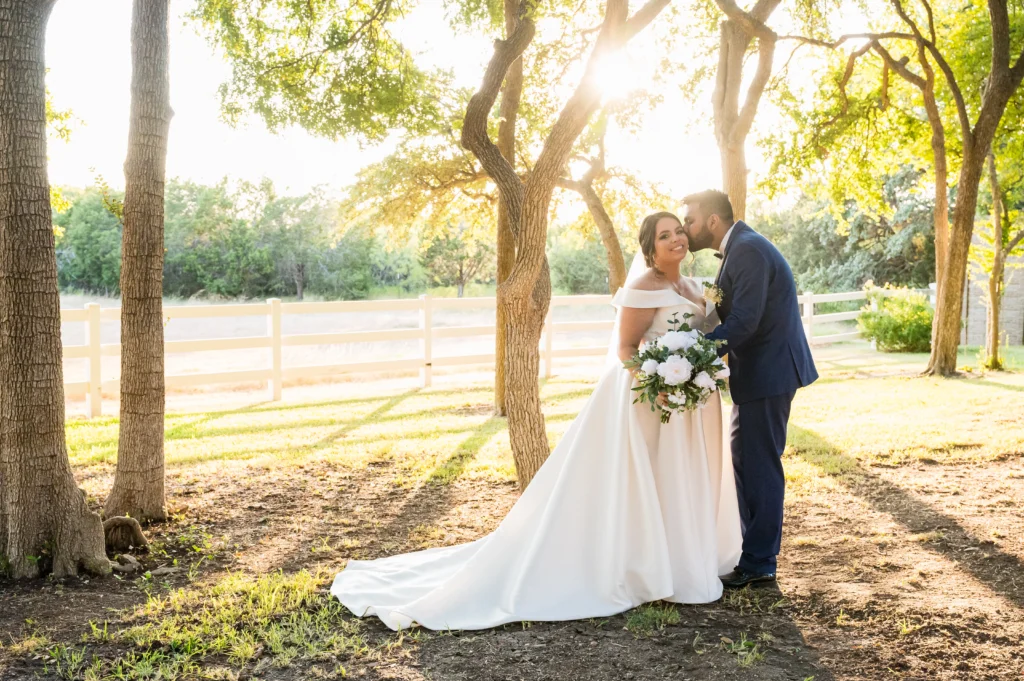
(626, 510)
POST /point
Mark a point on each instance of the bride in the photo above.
(626, 510)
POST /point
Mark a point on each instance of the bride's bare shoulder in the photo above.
(648, 281)
(693, 286)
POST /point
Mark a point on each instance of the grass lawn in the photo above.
(903, 553)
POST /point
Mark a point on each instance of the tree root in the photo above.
(123, 534)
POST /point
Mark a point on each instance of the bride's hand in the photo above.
(663, 399)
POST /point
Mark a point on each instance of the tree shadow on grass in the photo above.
(373, 417)
(991, 566)
(429, 502)
(997, 384)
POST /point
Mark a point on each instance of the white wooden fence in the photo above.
(276, 374)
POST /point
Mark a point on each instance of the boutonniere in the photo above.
(712, 293)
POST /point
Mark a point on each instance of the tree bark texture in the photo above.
(733, 121)
(44, 520)
(511, 96)
(606, 228)
(926, 84)
(1002, 82)
(526, 294)
(139, 481)
(995, 279)
(946, 332)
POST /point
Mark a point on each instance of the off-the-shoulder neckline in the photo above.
(660, 291)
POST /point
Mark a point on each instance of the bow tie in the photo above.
(718, 255)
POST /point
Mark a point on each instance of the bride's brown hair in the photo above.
(648, 231)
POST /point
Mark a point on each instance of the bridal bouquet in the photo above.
(684, 364)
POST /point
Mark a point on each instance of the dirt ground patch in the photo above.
(911, 573)
(903, 554)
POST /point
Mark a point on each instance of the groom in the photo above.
(769, 359)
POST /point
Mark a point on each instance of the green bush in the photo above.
(88, 244)
(902, 323)
(579, 269)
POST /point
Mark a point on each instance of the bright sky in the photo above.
(90, 69)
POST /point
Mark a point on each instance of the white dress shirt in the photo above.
(725, 239)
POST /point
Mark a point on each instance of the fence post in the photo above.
(809, 316)
(94, 397)
(426, 343)
(274, 331)
(549, 342)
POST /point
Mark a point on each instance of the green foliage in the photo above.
(397, 268)
(578, 266)
(901, 323)
(332, 67)
(58, 126)
(211, 249)
(88, 244)
(846, 145)
(841, 248)
(458, 256)
(223, 243)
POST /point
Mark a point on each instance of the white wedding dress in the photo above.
(626, 510)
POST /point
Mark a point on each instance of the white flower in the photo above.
(675, 370)
(676, 399)
(650, 367)
(679, 340)
(722, 374)
(703, 381)
(719, 362)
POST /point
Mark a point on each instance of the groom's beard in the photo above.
(701, 240)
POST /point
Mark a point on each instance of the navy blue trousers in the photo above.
(758, 440)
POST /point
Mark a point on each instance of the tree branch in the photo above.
(1000, 20)
(899, 66)
(1014, 242)
(847, 37)
(947, 71)
(763, 9)
(847, 74)
(751, 25)
(765, 59)
(474, 129)
(644, 16)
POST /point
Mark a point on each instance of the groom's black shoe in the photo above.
(739, 578)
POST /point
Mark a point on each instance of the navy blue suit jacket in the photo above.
(765, 341)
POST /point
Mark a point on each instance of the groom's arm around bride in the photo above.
(769, 359)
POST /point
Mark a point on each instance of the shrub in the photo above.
(901, 323)
(579, 269)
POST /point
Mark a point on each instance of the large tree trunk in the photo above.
(511, 95)
(1002, 82)
(946, 332)
(526, 294)
(941, 218)
(995, 279)
(44, 520)
(139, 481)
(733, 121)
(734, 177)
(732, 48)
(527, 432)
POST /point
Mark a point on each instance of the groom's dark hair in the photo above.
(712, 202)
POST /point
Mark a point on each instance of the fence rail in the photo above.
(426, 332)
